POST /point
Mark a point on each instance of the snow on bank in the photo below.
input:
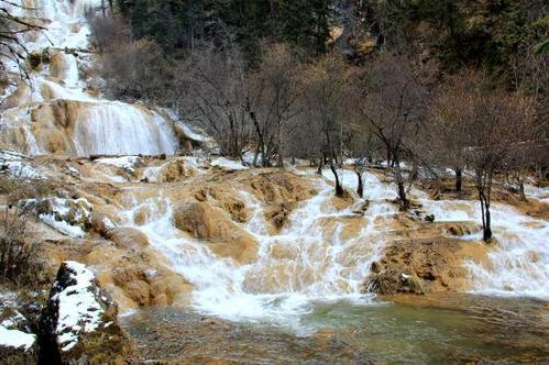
(541, 194)
(128, 163)
(12, 164)
(227, 164)
(16, 339)
(79, 311)
(67, 216)
(63, 226)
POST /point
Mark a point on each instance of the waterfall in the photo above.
(314, 258)
(57, 110)
(518, 264)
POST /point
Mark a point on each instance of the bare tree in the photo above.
(393, 104)
(137, 70)
(446, 136)
(272, 102)
(325, 100)
(216, 96)
(499, 121)
(12, 47)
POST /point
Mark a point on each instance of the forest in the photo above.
(274, 181)
(432, 83)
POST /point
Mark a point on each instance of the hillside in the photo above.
(273, 182)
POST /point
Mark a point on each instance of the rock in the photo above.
(127, 238)
(462, 228)
(148, 286)
(278, 215)
(424, 266)
(173, 171)
(376, 267)
(225, 237)
(280, 188)
(17, 344)
(100, 223)
(413, 283)
(228, 200)
(35, 60)
(79, 323)
(361, 207)
(420, 215)
(17, 347)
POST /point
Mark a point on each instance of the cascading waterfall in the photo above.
(315, 258)
(519, 264)
(312, 259)
(78, 123)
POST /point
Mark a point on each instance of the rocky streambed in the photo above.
(209, 261)
(449, 329)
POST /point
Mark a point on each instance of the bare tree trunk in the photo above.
(522, 193)
(320, 166)
(486, 217)
(360, 188)
(458, 178)
(401, 187)
(338, 188)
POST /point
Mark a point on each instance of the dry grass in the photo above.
(21, 264)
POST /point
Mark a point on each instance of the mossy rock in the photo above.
(35, 60)
(97, 338)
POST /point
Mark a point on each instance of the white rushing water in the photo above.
(318, 257)
(322, 255)
(88, 124)
(519, 264)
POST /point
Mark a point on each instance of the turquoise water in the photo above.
(433, 331)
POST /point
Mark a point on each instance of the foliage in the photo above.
(492, 35)
(181, 24)
(543, 47)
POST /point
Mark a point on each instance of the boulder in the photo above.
(100, 223)
(17, 347)
(424, 266)
(127, 238)
(79, 323)
(173, 171)
(225, 238)
(278, 214)
(280, 188)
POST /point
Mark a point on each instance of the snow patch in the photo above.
(16, 339)
(63, 215)
(128, 163)
(79, 311)
(227, 164)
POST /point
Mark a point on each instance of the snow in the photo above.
(227, 164)
(127, 163)
(60, 210)
(151, 173)
(9, 155)
(108, 223)
(541, 194)
(20, 170)
(16, 339)
(13, 321)
(63, 226)
(12, 165)
(190, 133)
(79, 311)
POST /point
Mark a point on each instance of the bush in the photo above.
(20, 260)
